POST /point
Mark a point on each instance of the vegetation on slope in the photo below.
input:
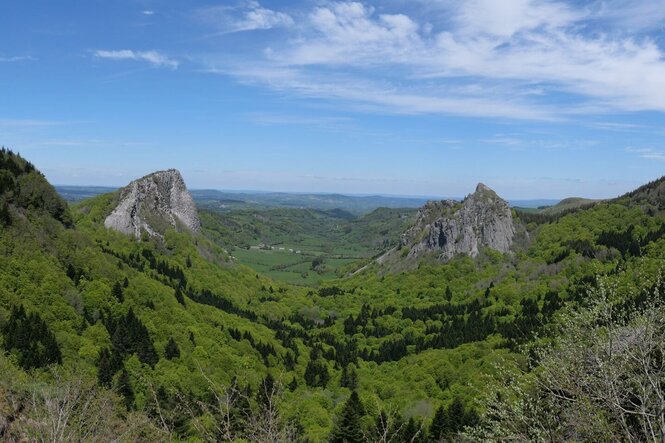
(182, 343)
(304, 246)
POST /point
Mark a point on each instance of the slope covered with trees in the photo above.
(170, 338)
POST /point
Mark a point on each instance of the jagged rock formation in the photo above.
(153, 204)
(449, 228)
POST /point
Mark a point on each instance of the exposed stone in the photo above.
(450, 228)
(153, 204)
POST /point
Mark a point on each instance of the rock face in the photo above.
(448, 228)
(153, 204)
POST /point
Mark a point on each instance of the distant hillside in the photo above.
(229, 200)
(24, 191)
(652, 194)
(354, 204)
(75, 194)
(568, 204)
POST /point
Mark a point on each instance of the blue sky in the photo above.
(538, 99)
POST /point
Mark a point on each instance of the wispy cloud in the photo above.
(264, 118)
(155, 58)
(148, 12)
(647, 153)
(527, 59)
(17, 58)
(365, 94)
(13, 122)
(247, 16)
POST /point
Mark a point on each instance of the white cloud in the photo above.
(248, 16)
(632, 14)
(148, 12)
(9, 122)
(153, 57)
(377, 98)
(17, 58)
(515, 58)
(647, 153)
(508, 17)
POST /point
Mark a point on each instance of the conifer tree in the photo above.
(344, 379)
(413, 432)
(5, 215)
(179, 297)
(171, 350)
(352, 382)
(124, 388)
(439, 427)
(29, 336)
(117, 292)
(266, 391)
(456, 415)
(348, 427)
(105, 368)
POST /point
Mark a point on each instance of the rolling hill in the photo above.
(167, 337)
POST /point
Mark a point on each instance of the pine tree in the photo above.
(179, 297)
(349, 378)
(145, 351)
(316, 374)
(352, 379)
(5, 215)
(344, 379)
(413, 432)
(29, 336)
(171, 350)
(348, 429)
(125, 283)
(105, 368)
(131, 336)
(456, 415)
(439, 427)
(116, 291)
(72, 274)
(124, 388)
(266, 390)
(449, 294)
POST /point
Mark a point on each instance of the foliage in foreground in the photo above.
(601, 377)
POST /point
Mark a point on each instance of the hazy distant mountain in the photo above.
(230, 200)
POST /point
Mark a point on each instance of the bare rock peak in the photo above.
(448, 229)
(483, 188)
(153, 204)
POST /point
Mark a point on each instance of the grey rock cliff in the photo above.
(448, 228)
(153, 204)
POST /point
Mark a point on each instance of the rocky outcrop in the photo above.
(449, 228)
(153, 204)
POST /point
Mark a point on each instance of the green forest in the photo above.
(202, 337)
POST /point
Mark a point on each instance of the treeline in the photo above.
(264, 349)
(391, 427)
(28, 336)
(540, 218)
(23, 186)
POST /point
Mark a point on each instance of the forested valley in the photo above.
(109, 337)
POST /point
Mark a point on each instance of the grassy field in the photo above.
(291, 267)
(282, 243)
